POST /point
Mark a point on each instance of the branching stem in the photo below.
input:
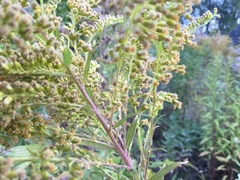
(127, 160)
(150, 135)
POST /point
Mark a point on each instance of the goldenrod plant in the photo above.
(85, 130)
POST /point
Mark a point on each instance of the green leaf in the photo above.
(164, 171)
(204, 140)
(157, 149)
(87, 108)
(56, 34)
(132, 174)
(96, 144)
(159, 48)
(119, 123)
(67, 57)
(121, 176)
(21, 165)
(224, 177)
(98, 173)
(221, 159)
(131, 132)
(204, 153)
(90, 93)
(2, 95)
(224, 147)
(221, 167)
(7, 100)
(22, 151)
(86, 72)
(87, 65)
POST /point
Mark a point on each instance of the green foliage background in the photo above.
(206, 129)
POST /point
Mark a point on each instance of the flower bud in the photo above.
(16, 65)
(6, 3)
(1, 95)
(5, 66)
(9, 89)
(7, 100)
(12, 175)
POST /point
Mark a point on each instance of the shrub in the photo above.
(218, 100)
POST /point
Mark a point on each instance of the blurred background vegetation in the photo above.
(206, 130)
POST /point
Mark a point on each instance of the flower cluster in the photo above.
(201, 21)
(6, 173)
(54, 66)
(150, 23)
(33, 75)
(12, 20)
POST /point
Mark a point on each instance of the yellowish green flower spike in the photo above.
(103, 22)
(201, 21)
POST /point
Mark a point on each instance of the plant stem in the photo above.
(150, 136)
(127, 160)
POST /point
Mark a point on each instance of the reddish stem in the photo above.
(127, 160)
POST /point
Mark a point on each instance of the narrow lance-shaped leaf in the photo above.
(19, 152)
(133, 174)
(222, 159)
(23, 151)
(96, 144)
(56, 34)
(86, 72)
(221, 167)
(98, 173)
(87, 65)
(67, 57)
(90, 93)
(21, 165)
(131, 132)
(119, 123)
(164, 171)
